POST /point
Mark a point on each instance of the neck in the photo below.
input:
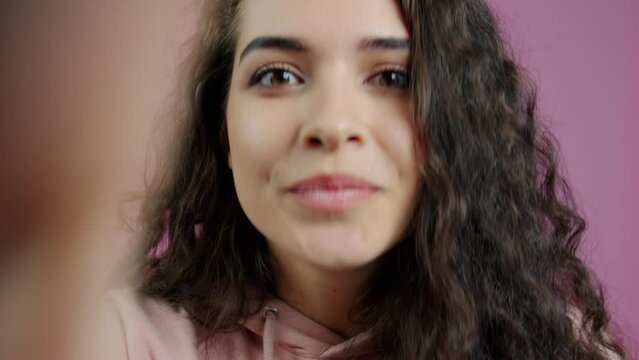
(326, 296)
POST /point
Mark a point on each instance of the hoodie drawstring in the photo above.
(270, 315)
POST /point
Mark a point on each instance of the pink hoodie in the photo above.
(147, 329)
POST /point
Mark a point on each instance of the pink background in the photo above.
(584, 57)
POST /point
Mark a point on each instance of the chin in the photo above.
(342, 250)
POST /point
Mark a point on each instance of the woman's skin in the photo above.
(332, 101)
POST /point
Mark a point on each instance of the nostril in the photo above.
(313, 141)
(354, 138)
(331, 141)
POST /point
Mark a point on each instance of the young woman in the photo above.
(360, 179)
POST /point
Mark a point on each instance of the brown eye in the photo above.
(272, 77)
(390, 79)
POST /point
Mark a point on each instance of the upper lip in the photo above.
(333, 182)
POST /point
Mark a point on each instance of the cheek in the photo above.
(260, 137)
(256, 138)
(396, 137)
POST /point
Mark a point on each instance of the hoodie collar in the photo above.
(280, 324)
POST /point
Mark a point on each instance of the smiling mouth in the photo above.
(332, 192)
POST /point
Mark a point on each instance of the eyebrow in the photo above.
(274, 42)
(384, 44)
(296, 45)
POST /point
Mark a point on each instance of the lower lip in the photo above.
(333, 200)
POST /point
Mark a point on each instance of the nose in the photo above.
(335, 119)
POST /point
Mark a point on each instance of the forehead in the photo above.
(322, 23)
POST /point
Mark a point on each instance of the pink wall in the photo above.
(584, 57)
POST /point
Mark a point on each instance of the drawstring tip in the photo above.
(270, 315)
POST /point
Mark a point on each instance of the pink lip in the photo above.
(333, 192)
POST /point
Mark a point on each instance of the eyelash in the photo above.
(282, 68)
(397, 71)
(392, 69)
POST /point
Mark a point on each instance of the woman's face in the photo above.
(319, 124)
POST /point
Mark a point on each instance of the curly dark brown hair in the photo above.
(488, 269)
